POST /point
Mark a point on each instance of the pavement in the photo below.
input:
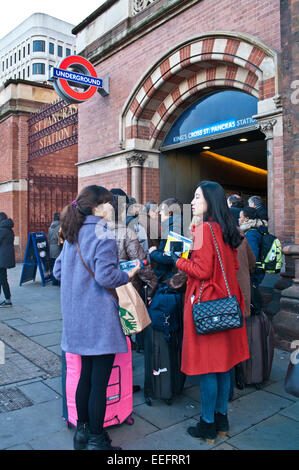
(31, 397)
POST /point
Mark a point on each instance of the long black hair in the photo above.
(218, 211)
(73, 215)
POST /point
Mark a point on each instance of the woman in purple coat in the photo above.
(89, 273)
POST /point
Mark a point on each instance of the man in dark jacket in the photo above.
(7, 256)
(54, 244)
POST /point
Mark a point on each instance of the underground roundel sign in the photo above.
(75, 80)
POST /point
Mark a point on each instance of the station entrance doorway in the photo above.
(215, 139)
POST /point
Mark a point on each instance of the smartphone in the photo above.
(177, 247)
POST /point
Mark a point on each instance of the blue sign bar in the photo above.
(77, 77)
(218, 113)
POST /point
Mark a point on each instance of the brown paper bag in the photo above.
(133, 313)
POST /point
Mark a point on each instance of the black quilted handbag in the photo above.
(217, 315)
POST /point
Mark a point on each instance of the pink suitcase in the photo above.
(119, 392)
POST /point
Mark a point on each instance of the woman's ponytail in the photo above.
(73, 215)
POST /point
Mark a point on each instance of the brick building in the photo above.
(169, 60)
(162, 58)
(37, 177)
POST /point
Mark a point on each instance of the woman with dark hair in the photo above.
(212, 356)
(89, 273)
(7, 256)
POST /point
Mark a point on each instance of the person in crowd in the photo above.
(129, 248)
(149, 219)
(235, 203)
(54, 244)
(253, 227)
(212, 356)
(132, 215)
(257, 203)
(7, 256)
(246, 259)
(91, 324)
(160, 353)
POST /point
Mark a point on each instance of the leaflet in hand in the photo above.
(176, 237)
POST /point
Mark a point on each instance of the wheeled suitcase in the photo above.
(257, 368)
(163, 378)
(119, 391)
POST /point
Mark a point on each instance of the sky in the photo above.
(13, 12)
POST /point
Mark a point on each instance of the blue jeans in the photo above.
(214, 394)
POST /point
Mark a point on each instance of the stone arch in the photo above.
(194, 68)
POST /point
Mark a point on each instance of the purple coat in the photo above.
(91, 324)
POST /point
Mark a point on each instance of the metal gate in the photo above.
(48, 194)
(53, 128)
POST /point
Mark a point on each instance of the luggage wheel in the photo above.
(148, 401)
(168, 401)
(129, 420)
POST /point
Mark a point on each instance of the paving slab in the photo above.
(278, 389)
(39, 356)
(162, 415)
(61, 440)
(38, 392)
(292, 412)
(126, 435)
(17, 368)
(275, 433)
(21, 426)
(251, 409)
(172, 438)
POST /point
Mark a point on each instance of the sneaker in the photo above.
(6, 303)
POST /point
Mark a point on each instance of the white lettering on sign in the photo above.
(214, 129)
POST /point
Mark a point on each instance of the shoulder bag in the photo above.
(217, 315)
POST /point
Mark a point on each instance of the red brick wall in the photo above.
(112, 179)
(14, 166)
(99, 117)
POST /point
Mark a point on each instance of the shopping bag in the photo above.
(133, 313)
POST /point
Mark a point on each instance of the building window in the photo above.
(20, 54)
(51, 48)
(23, 74)
(59, 51)
(15, 58)
(39, 46)
(7, 63)
(28, 49)
(3, 66)
(67, 52)
(28, 71)
(11, 60)
(24, 51)
(38, 69)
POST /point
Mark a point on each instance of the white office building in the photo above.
(38, 43)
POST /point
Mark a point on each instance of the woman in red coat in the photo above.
(212, 356)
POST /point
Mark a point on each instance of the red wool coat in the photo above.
(215, 352)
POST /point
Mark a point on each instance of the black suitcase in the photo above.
(163, 378)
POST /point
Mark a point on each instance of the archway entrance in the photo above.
(200, 66)
(215, 139)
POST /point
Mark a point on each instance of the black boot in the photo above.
(81, 436)
(221, 423)
(203, 430)
(100, 442)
